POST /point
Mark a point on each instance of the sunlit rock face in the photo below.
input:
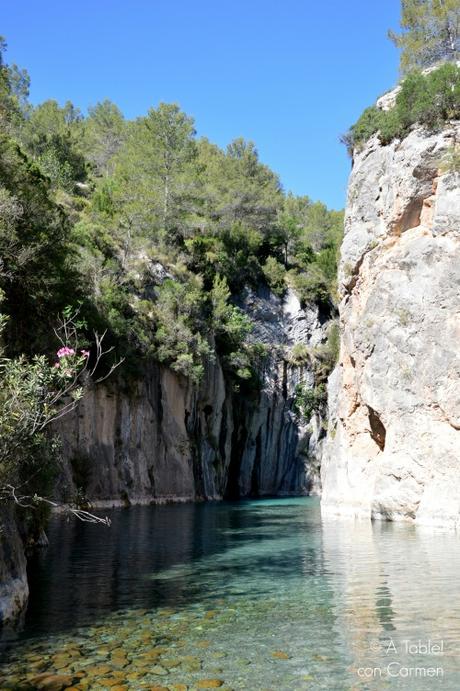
(393, 447)
(164, 438)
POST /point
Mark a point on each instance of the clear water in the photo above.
(250, 595)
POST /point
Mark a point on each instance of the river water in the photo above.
(248, 595)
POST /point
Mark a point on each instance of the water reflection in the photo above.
(396, 589)
(281, 599)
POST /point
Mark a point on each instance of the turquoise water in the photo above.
(250, 595)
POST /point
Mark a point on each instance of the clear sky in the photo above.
(291, 75)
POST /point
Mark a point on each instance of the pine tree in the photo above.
(431, 33)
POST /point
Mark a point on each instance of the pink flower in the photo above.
(63, 352)
(85, 353)
(56, 365)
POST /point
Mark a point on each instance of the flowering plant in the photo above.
(34, 394)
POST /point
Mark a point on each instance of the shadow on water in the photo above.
(168, 556)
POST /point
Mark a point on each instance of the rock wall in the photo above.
(162, 438)
(393, 448)
(14, 589)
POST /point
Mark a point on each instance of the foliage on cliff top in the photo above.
(431, 99)
(155, 231)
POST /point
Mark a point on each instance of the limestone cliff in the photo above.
(163, 438)
(14, 589)
(393, 448)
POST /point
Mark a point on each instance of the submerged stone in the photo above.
(280, 655)
(158, 669)
(52, 682)
(209, 683)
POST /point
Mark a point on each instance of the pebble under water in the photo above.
(248, 595)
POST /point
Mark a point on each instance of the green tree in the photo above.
(14, 91)
(430, 99)
(35, 255)
(104, 133)
(275, 274)
(431, 33)
(52, 136)
(153, 174)
(180, 331)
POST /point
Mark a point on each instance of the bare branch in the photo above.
(8, 491)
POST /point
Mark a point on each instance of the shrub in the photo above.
(311, 285)
(368, 124)
(309, 400)
(178, 337)
(299, 355)
(451, 160)
(430, 99)
(34, 393)
(326, 355)
(275, 274)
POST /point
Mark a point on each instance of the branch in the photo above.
(9, 492)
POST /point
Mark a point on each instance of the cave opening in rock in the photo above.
(377, 428)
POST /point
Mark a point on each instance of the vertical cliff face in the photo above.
(163, 438)
(393, 448)
(14, 590)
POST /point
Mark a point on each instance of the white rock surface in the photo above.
(393, 449)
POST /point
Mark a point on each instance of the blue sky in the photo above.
(291, 75)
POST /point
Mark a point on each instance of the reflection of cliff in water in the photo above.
(393, 586)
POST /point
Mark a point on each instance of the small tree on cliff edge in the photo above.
(431, 33)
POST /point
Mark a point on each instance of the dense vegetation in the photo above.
(429, 99)
(145, 231)
(153, 230)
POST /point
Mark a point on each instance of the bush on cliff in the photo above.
(430, 99)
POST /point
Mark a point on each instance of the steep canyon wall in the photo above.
(393, 447)
(163, 438)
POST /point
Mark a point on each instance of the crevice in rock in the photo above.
(325, 312)
(349, 287)
(239, 439)
(159, 398)
(284, 386)
(197, 462)
(411, 216)
(377, 431)
(255, 476)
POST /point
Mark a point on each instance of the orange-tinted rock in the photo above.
(279, 655)
(209, 683)
(52, 682)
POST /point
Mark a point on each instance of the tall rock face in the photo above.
(14, 589)
(393, 447)
(163, 438)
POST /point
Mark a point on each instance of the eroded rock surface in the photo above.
(393, 448)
